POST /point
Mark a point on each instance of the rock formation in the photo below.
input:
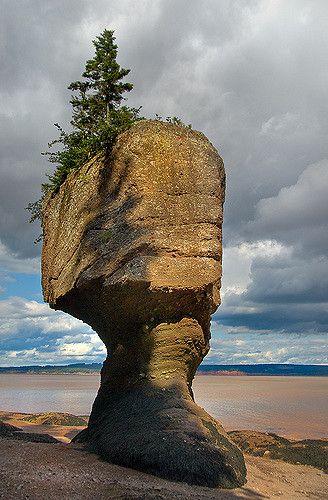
(132, 246)
(11, 432)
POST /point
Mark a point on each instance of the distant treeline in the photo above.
(269, 369)
(234, 370)
(73, 368)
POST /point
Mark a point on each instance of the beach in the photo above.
(283, 405)
(30, 470)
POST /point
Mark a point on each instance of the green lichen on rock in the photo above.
(307, 452)
(55, 418)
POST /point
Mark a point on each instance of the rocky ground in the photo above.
(61, 426)
(34, 470)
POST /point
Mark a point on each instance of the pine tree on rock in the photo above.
(97, 116)
(101, 93)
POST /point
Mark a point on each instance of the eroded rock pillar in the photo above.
(132, 246)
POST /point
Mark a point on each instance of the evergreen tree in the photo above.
(96, 108)
(97, 117)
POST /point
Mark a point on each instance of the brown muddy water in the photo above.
(295, 407)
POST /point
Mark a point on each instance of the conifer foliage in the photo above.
(97, 115)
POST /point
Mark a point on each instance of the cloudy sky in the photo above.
(253, 76)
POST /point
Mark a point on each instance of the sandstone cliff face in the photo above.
(132, 246)
(147, 219)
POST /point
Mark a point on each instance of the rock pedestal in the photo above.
(132, 246)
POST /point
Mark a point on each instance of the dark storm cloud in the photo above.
(39, 53)
(297, 215)
(285, 293)
(250, 74)
(244, 72)
(288, 290)
(170, 45)
(288, 280)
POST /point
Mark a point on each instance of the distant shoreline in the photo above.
(47, 373)
(288, 370)
(198, 374)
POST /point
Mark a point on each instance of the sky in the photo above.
(253, 76)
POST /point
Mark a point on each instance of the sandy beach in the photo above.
(30, 470)
(37, 471)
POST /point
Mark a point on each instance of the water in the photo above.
(295, 407)
(43, 393)
(290, 406)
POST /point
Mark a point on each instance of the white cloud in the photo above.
(10, 261)
(78, 349)
(32, 333)
(237, 261)
(303, 204)
(20, 311)
(265, 347)
(93, 348)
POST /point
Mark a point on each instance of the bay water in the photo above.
(295, 407)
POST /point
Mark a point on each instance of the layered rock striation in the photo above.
(132, 246)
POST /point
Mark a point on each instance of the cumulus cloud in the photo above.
(236, 345)
(30, 331)
(283, 294)
(287, 285)
(297, 215)
(237, 261)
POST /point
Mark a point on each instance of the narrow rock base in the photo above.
(157, 428)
